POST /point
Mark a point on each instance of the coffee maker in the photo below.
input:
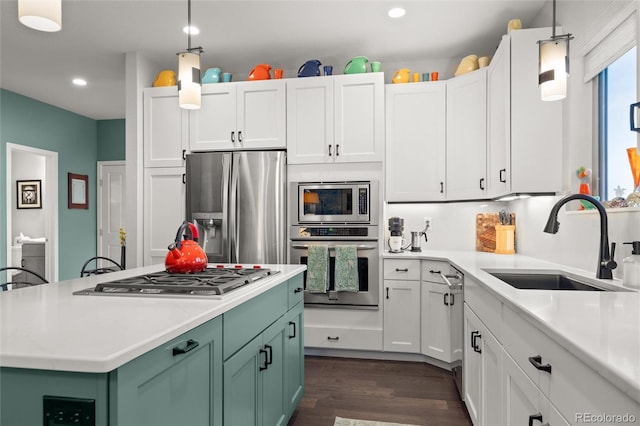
(396, 228)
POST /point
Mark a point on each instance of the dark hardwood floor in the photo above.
(387, 391)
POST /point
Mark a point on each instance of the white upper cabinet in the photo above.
(359, 117)
(523, 131)
(243, 115)
(416, 141)
(498, 121)
(309, 119)
(165, 128)
(335, 119)
(467, 136)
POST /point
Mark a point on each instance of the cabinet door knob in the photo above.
(536, 361)
(297, 290)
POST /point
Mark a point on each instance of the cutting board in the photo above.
(486, 230)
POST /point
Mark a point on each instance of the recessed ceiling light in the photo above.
(396, 12)
(79, 81)
(193, 30)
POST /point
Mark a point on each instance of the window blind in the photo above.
(616, 36)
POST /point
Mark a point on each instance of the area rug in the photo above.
(352, 422)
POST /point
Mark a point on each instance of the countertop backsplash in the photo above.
(575, 244)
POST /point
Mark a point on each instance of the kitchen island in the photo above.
(574, 356)
(147, 360)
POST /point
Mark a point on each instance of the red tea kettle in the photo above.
(185, 255)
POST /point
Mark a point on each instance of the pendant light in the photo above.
(41, 15)
(189, 85)
(553, 64)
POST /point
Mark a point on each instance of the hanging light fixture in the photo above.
(553, 64)
(189, 85)
(41, 15)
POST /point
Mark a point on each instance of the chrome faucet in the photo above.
(606, 264)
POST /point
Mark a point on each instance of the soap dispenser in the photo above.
(631, 267)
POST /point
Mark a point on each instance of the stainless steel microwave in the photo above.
(335, 202)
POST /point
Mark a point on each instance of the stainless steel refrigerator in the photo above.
(238, 201)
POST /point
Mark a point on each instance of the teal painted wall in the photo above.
(111, 140)
(25, 121)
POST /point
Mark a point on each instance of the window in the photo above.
(617, 90)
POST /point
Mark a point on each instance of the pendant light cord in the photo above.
(189, 24)
(553, 23)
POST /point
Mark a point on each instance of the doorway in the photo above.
(41, 222)
(111, 206)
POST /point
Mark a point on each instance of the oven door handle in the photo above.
(451, 285)
(359, 247)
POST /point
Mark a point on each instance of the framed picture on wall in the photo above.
(78, 191)
(29, 194)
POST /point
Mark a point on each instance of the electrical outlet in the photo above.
(428, 222)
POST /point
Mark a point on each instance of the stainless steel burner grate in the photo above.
(210, 282)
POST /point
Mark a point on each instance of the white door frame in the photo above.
(49, 200)
(99, 206)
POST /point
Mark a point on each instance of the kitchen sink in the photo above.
(549, 280)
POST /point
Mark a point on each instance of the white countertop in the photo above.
(602, 328)
(47, 327)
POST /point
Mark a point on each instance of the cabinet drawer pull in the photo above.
(446, 300)
(329, 150)
(431, 271)
(184, 178)
(387, 292)
(538, 417)
(536, 361)
(298, 290)
(337, 150)
(402, 269)
(441, 187)
(264, 366)
(482, 184)
(294, 330)
(333, 339)
(184, 154)
(503, 177)
(191, 345)
(240, 136)
(233, 137)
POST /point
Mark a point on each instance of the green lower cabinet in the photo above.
(254, 391)
(294, 357)
(179, 383)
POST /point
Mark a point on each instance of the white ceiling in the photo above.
(236, 35)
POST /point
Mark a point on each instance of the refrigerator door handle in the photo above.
(233, 211)
(224, 185)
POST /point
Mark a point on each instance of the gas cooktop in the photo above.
(210, 283)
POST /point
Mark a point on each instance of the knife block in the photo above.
(505, 239)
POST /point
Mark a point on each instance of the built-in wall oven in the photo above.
(332, 214)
